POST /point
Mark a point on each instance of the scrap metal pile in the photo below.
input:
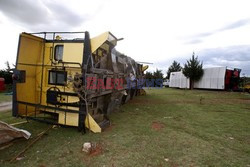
(108, 80)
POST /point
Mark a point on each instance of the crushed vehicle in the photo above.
(72, 81)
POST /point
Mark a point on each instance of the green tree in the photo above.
(158, 74)
(156, 77)
(6, 74)
(149, 75)
(193, 70)
(173, 68)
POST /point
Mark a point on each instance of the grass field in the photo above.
(168, 127)
(4, 97)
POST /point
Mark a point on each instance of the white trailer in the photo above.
(178, 80)
(213, 78)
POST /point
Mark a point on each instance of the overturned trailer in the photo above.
(216, 78)
(73, 81)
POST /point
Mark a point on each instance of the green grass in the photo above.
(214, 131)
(5, 98)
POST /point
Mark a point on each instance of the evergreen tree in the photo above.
(158, 74)
(149, 75)
(154, 79)
(193, 70)
(173, 68)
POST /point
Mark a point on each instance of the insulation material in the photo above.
(8, 133)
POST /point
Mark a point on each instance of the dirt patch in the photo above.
(157, 126)
(97, 150)
(42, 166)
(109, 128)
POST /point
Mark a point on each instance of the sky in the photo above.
(154, 31)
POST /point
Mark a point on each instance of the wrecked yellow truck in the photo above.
(62, 78)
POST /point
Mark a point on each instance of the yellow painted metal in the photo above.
(98, 41)
(144, 68)
(30, 52)
(70, 119)
(92, 125)
(247, 86)
(72, 52)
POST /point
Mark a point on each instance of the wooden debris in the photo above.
(39, 136)
(18, 123)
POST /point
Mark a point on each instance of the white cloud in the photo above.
(154, 31)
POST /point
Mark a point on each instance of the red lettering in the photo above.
(100, 84)
(109, 83)
(119, 83)
(91, 82)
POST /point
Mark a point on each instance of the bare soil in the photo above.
(157, 126)
(96, 151)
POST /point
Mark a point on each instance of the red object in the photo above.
(236, 73)
(2, 84)
(232, 79)
(229, 74)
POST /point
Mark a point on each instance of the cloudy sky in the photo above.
(157, 31)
